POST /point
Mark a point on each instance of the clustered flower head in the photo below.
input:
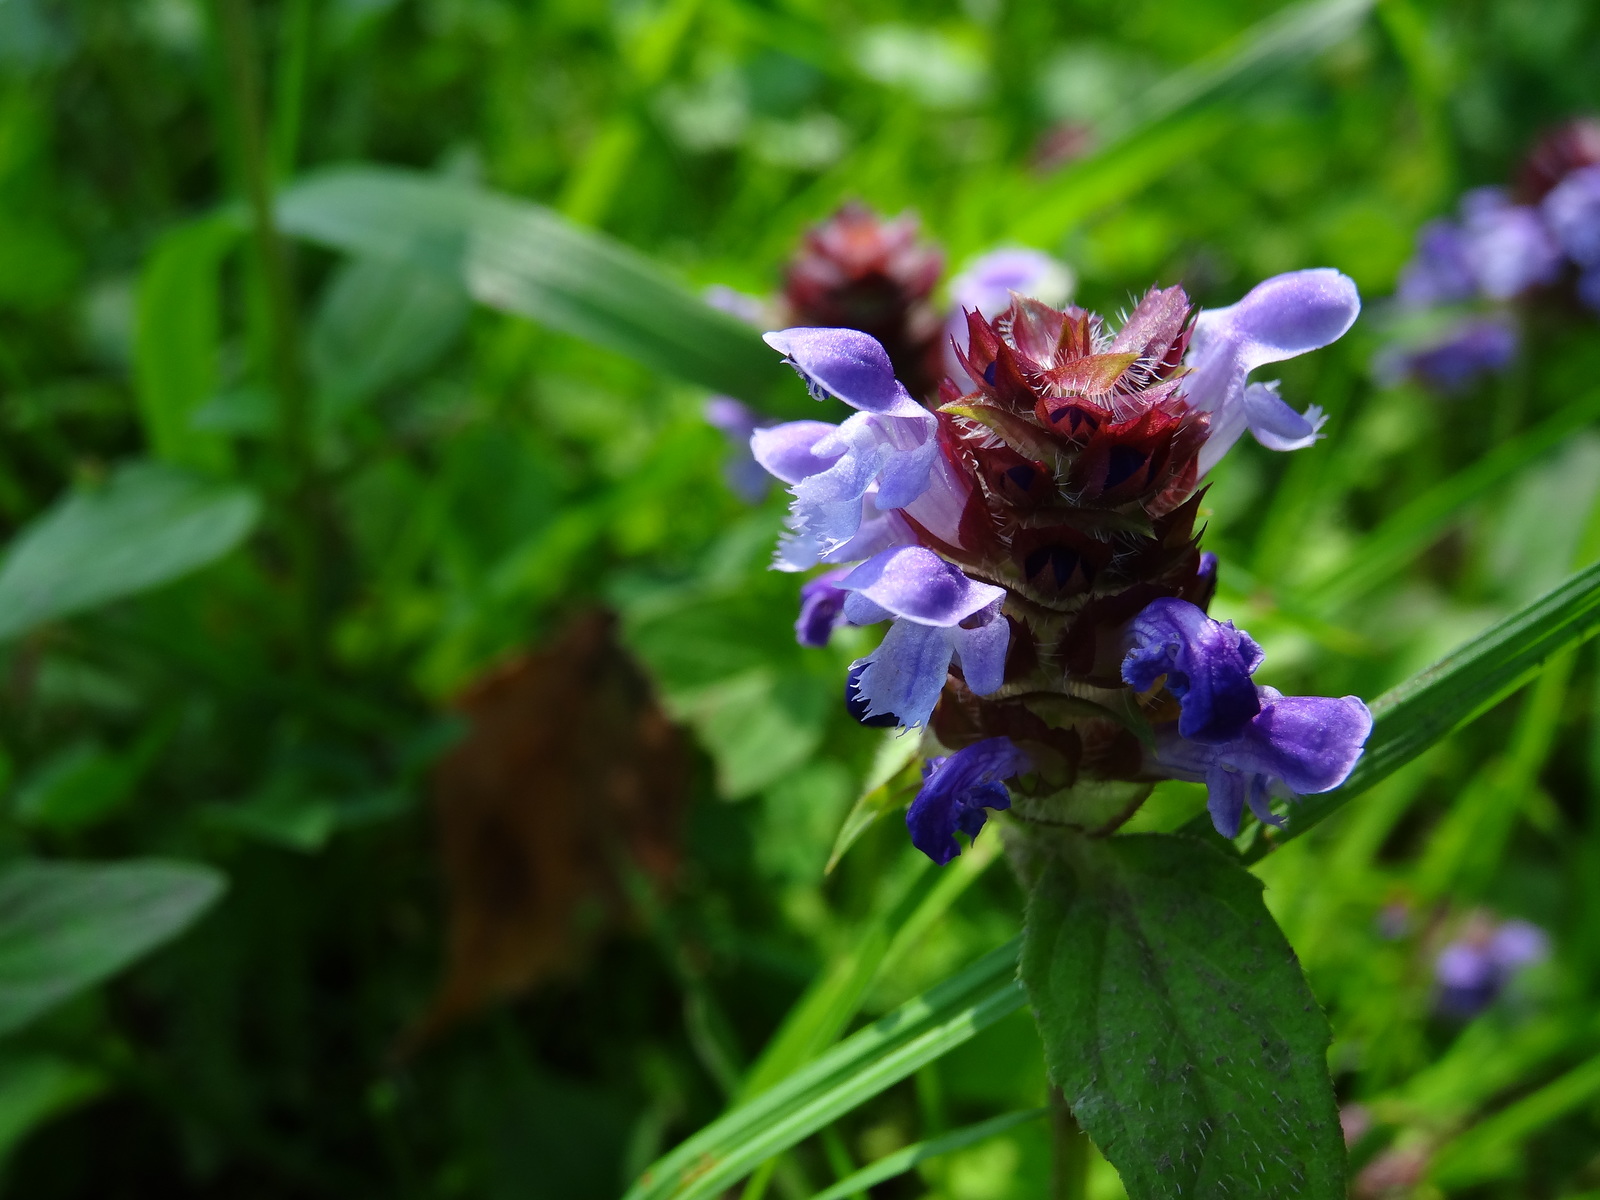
(1458, 294)
(1029, 531)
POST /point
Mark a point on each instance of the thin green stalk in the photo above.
(289, 90)
(1069, 1152)
(306, 525)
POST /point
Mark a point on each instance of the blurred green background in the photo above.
(358, 590)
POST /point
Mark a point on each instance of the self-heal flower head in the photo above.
(1471, 972)
(1281, 318)
(956, 792)
(939, 615)
(1453, 360)
(1206, 664)
(1438, 272)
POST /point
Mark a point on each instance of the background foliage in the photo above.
(303, 537)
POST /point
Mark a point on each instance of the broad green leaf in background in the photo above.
(66, 926)
(177, 339)
(1431, 705)
(146, 525)
(860, 1067)
(34, 1087)
(1177, 1023)
(380, 323)
(525, 259)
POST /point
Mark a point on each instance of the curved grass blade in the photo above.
(525, 259)
(904, 1159)
(1454, 691)
(860, 1067)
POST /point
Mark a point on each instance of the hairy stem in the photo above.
(1069, 1152)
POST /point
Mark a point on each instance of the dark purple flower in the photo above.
(1207, 665)
(1469, 349)
(1572, 210)
(821, 608)
(939, 614)
(858, 706)
(1589, 287)
(1295, 746)
(957, 790)
(1280, 318)
(1472, 971)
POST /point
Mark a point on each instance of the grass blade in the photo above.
(860, 1067)
(904, 1159)
(525, 259)
(1433, 704)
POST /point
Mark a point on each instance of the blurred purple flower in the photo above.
(1245, 742)
(986, 287)
(939, 615)
(1470, 348)
(1471, 972)
(1506, 246)
(1439, 272)
(1280, 318)
(1572, 210)
(747, 479)
(956, 791)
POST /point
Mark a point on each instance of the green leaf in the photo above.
(1177, 1023)
(525, 259)
(176, 341)
(860, 1067)
(66, 926)
(35, 1087)
(890, 783)
(1433, 704)
(148, 524)
(904, 1159)
(380, 323)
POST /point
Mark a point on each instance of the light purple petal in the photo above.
(847, 364)
(1572, 210)
(786, 450)
(1277, 426)
(1518, 944)
(988, 281)
(915, 583)
(1507, 245)
(1439, 272)
(981, 644)
(906, 673)
(1281, 318)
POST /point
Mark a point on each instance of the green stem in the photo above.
(1069, 1152)
(288, 376)
(290, 87)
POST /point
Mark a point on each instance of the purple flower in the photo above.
(1281, 318)
(939, 614)
(1572, 210)
(821, 608)
(1589, 287)
(1468, 349)
(957, 790)
(1506, 246)
(883, 458)
(1207, 665)
(1245, 742)
(1472, 971)
(1439, 272)
(986, 287)
(746, 477)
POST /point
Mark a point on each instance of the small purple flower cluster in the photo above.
(1029, 532)
(1472, 971)
(1459, 290)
